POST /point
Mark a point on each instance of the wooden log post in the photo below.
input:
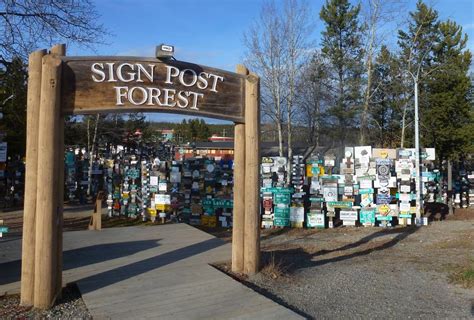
(45, 283)
(238, 219)
(95, 222)
(29, 209)
(252, 175)
(60, 50)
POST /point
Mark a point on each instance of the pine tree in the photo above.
(447, 116)
(342, 47)
(385, 104)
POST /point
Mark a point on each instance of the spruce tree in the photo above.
(447, 116)
(342, 48)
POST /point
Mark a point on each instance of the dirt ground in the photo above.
(352, 273)
(361, 273)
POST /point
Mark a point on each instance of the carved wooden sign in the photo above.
(129, 84)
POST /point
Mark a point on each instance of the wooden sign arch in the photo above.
(59, 85)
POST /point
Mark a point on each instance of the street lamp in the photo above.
(419, 200)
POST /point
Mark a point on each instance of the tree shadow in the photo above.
(121, 273)
(76, 258)
(293, 260)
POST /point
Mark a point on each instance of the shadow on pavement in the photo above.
(10, 271)
(121, 273)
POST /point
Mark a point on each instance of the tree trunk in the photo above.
(91, 153)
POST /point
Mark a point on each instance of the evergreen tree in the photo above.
(342, 48)
(385, 104)
(447, 115)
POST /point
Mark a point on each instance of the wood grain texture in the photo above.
(47, 196)
(81, 95)
(238, 218)
(60, 50)
(252, 175)
(29, 211)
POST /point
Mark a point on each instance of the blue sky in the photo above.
(210, 32)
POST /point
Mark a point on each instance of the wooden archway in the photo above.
(59, 85)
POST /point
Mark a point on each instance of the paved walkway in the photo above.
(160, 272)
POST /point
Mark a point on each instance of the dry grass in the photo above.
(273, 268)
(463, 276)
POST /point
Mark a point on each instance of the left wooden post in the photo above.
(45, 282)
(29, 209)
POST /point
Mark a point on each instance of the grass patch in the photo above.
(463, 276)
(272, 267)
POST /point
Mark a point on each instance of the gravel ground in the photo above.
(370, 273)
(70, 306)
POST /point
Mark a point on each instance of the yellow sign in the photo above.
(384, 209)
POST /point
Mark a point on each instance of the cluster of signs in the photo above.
(367, 185)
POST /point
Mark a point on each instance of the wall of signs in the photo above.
(364, 186)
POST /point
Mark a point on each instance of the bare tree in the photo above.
(377, 14)
(298, 28)
(313, 98)
(265, 44)
(91, 145)
(27, 24)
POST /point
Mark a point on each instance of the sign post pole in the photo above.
(60, 50)
(47, 197)
(252, 172)
(29, 211)
(239, 192)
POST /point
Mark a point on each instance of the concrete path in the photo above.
(159, 272)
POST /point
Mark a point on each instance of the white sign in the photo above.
(297, 214)
(348, 215)
(153, 180)
(162, 199)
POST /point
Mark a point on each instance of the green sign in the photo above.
(282, 212)
(367, 215)
(3, 229)
(405, 215)
(316, 199)
(282, 198)
(384, 218)
(366, 191)
(278, 190)
(339, 204)
(281, 222)
(207, 202)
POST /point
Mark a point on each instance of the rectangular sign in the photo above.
(348, 215)
(125, 84)
(339, 204)
(367, 216)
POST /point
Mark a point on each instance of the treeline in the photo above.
(355, 87)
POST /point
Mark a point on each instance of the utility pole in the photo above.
(419, 201)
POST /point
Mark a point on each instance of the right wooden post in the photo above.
(252, 174)
(238, 220)
(45, 281)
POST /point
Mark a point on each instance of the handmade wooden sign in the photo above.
(126, 84)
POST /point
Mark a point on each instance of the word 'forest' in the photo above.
(150, 95)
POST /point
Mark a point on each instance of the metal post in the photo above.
(419, 202)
